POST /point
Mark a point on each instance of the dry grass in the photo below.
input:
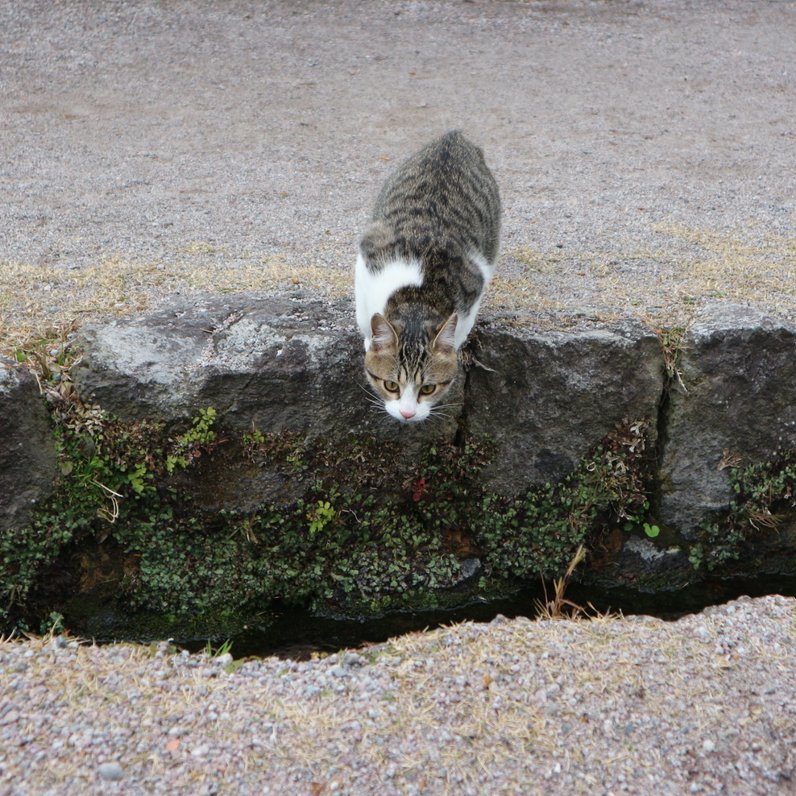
(558, 606)
(662, 285)
(36, 300)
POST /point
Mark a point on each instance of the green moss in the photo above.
(538, 533)
(371, 530)
(765, 494)
(107, 473)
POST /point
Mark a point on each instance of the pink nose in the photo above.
(408, 413)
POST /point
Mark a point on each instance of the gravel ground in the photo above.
(706, 704)
(644, 148)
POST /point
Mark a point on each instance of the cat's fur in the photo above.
(422, 268)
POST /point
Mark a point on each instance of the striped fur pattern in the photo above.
(422, 268)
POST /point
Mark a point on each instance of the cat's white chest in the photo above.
(373, 290)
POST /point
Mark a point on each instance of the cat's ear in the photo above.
(384, 335)
(446, 334)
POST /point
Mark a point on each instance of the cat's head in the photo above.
(411, 368)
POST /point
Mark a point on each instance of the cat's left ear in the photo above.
(446, 334)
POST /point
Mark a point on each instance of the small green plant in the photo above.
(217, 652)
(252, 441)
(651, 530)
(189, 446)
(139, 478)
(320, 516)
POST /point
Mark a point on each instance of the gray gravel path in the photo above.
(706, 705)
(645, 150)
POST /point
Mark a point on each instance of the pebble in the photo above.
(353, 659)
(9, 717)
(110, 771)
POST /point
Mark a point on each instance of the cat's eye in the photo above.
(391, 386)
(427, 389)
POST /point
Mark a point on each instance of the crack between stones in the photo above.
(662, 438)
(463, 430)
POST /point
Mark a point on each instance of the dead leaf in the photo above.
(172, 744)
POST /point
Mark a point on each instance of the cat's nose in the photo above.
(408, 413)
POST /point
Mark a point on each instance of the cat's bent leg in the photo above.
(360, 293)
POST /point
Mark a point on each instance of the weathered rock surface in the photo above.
(260, 361)
(27, 452)
(285, 363)
(739, 369)
(551, 396)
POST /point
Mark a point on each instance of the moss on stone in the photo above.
(371, 531)
(765, 498)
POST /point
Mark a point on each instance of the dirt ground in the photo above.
(645, 150)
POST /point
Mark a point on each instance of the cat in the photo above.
(421, 271)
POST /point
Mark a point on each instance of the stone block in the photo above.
(550, 396)
(27, 451)
(738, 367)
(285, 363)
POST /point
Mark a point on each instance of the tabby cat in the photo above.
(422, 268)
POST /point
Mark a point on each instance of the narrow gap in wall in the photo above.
(662, 436)
(460, 438)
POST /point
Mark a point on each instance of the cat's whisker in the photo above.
(371, 396)
(438, 411)
(365, 389)
(373, 399)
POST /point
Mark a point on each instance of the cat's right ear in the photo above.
(383, 333)
(446, 333)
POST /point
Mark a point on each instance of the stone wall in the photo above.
(706, 417)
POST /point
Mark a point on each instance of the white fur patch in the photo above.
(372, 291)
(484, 266)
(467, 320)
(408, 403)
(465, 323)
